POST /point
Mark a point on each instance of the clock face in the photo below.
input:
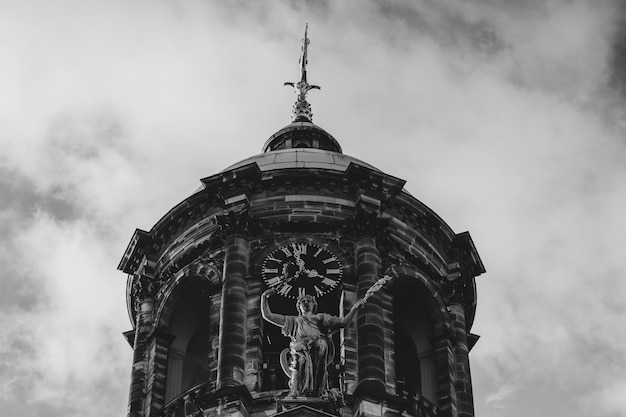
(302, 268)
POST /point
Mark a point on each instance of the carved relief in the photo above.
(233, 223)
(365, 223)
(144, 288)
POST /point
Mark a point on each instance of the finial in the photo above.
(302, 109)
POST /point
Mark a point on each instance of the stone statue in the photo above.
(309, 333)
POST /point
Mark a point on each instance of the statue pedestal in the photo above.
(317, 403)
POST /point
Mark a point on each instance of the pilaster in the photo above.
(143, 294)
(462, 380)
(157, 371)
(445, 371)
(370, 322)
(232, 342)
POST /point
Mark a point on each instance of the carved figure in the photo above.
(309, 347)
(309, 334)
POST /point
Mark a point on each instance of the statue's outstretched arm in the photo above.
(362, 301)
(345, 320)
(276, 319)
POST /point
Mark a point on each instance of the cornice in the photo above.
(135, 251)
(373, 183)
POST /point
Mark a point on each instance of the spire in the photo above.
(302, 109)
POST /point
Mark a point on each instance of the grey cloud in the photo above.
(618, 62)
(21, 194)
(489, 110)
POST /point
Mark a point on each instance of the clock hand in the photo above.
(299, 261)
(285, 273)
(300, 264)
(312, 273)
(285, 276)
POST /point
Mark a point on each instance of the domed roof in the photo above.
(302, 134)
(301, 144)
(301, 158)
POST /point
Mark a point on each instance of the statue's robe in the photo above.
(309, 352)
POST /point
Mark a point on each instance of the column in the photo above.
(254, 338)
(370, 323)
(157, 371)
(232, 344)
(462, 381)
(144, 305)
(445, 368)
(388, 328)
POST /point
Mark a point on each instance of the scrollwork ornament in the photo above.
(454, 292)
(233, 223)
(365, 223)
(385, 248)
(144, 289)
(207, 269)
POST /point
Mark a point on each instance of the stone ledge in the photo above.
(319, 406)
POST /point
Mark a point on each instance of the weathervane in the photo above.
(302, 109)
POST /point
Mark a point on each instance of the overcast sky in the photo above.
(507, 118)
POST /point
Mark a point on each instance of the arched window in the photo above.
(413, 329)
(188, 354)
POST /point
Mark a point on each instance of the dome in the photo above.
(302, 134)
(301, 158)
(301, 144)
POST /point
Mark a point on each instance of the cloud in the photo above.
(501, 116)
(497, 398)
(65, 348)
(614, 396)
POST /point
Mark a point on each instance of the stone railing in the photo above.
(184, 405)
(419, 406)
(197, 401)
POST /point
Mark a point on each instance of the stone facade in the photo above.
(194, 285)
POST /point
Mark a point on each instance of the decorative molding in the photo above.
(233, 223)
(464, 252)
(455, 292)
(375, 184)
(135, 251)
(144, 289)
(365, 223)
(391, 250)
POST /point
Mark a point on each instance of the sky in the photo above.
(507, 118)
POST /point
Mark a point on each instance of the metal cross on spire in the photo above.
(302, 109)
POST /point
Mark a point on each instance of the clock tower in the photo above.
(301, 219)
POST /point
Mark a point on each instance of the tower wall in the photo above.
(358, 213)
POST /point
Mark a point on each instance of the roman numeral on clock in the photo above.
(329, 260)
(328, 281)
(273, 281)
(300, 248)
(271, 258)
(300, 268)
(285, 289)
